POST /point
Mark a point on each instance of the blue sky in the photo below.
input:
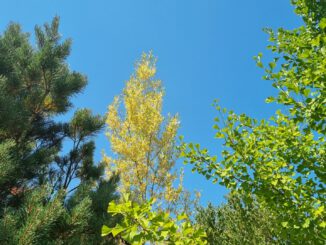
(204, 50)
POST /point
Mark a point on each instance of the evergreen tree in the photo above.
(47, 197)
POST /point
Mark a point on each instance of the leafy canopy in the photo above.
(280, 162)
(143, 141)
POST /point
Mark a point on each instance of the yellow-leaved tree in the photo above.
(143, 142)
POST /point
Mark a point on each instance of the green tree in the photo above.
(236, 222)
(281, 161)
(38, 183)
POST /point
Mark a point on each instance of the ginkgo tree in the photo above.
(280, 162)
(143, 141)
(141, 224)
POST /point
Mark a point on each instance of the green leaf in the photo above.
(165, 234)
(270, 99)
(219, 135)
(322, 23)
(306, 92)
(272, 65)
(117, 230)
(182, 217)
(106, 230)
(306, 224)
(319, 211)
(285, 224)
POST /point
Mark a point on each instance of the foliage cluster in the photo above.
(236, 222)
(140, 224)
(143, 144)
(53, 194)
(280, 162)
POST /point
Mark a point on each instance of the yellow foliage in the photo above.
(142, 140)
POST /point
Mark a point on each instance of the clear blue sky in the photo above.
(204, 50)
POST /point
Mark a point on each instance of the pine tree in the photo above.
(39, 185)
